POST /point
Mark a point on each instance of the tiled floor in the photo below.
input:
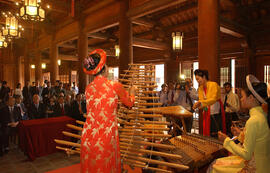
(16, 162)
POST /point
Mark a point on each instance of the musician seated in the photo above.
(256, 133)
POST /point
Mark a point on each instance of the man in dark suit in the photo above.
(26, 94)
(9, 119)
(78, 108)
(34, 89)
(4, 92)
(21, 106)
(47, 93)
(63, 109)
(37, 110)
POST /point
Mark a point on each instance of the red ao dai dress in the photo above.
(100, 152)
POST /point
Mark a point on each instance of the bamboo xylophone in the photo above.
(143, 135)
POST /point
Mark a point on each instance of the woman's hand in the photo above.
(222, 136)
(132, 90)
(197, 105)
(235, 131)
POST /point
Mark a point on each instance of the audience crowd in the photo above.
(34, 102)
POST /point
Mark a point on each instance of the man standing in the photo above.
(47, 92)
(171, 94)
(4, 92)
(26, 94)
(231, 106)
(186, 99)
(163, 95)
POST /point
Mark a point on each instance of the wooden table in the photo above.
(171, 111)
(37, 136)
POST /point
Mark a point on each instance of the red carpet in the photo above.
(76, 169)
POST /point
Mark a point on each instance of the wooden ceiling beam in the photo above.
(150, 44)
(68, 57)
(102, 36)
(144, 22)
(151, 7)
(182, 9)
(137, 42)
(98, 6)
(232, 28)
(71, 46)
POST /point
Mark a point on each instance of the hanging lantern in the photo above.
(177, 38)
(33, 66)
(43, 65)
(3, 43)
(31, 10)
(59, 62)
(117, 50)
(11, 30)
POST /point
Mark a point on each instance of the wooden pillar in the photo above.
(208, 37)
(18, 70)
(125, 38)
(171, 71)
(26, 65)
(38, 69)
(54, 73)
(1, 64)
(82, 54)
(250, 53)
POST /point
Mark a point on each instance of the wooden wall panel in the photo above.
(9, 75)
(241, 72)
(261, 61)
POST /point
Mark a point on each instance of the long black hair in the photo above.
(201, 73)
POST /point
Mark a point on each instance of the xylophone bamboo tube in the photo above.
(123, 130)
(148, 92)
(134, 161)
(71, 135)
(80, 122)
(145, 115)
(141, 77)
(68, 143)
(149, 104)
(147, 98)
(173, 165)
(156, 153)
(148, 143)
(74, 127)
(150, 122)
(146, 128)
(135, 72)
(67, 149)
(135, 133)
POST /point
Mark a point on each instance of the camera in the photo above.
(182, 85)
